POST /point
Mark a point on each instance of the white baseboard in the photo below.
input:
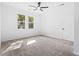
(17, 37)
(56, 37)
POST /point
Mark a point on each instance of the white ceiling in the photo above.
(25, 6)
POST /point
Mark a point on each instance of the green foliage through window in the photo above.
(21, 21)
(31, 22)
(31, 18)
(31, 25)
(21, 17)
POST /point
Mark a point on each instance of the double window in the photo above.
(21, 22)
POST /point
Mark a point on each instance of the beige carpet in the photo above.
(37, 46)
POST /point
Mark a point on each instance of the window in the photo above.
(21, 21)
(31, 22)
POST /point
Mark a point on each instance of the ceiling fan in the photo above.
(38, 7)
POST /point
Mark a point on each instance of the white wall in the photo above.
(9, 24)
(0, 23)
(56, 18)
(76, 29)
(50, 23)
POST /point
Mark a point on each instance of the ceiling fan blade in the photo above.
(61, 4)
(43, 7)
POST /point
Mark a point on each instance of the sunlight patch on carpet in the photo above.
(14, 46)
(29, 42)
